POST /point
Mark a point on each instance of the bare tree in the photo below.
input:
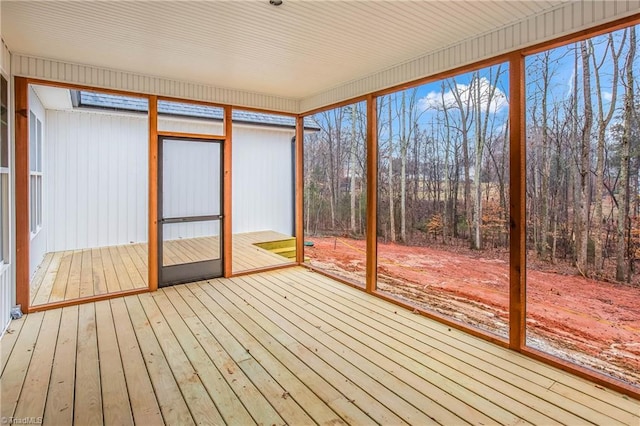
(603, 120)
(623, 198)
(352, 169)
(465, 124)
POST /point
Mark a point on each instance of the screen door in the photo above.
(189, 209)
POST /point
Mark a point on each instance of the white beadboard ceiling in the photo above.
(294, 50)
(299, 50)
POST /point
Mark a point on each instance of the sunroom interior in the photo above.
(88, 219)
(320, 212)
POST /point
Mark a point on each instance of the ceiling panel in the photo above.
(295, 50)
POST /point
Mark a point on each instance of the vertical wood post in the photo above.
(21, 126)
(372, 193)
(299, 184)
(153, 260)
(228, 190)
(517, 203)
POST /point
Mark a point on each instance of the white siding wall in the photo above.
(38, 246)
(262, 180)
(97, 174)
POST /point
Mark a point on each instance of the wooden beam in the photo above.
(184, 135)
(372, 194)
(153, 260)
(517, 204)
(21, 90)
(299, 198)
(88, 299)
(227, 242)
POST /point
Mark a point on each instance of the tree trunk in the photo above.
(585, 152)
(403, 169)
(603, 122)
(546, 169)
(392, 217)
(352, 170)
(477, 201)
(464, 130)
(623, 203)
(447, 182)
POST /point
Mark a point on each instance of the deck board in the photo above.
(361, 364)
(193, 390)
(69, 275)
(18, 364)
(39, 374)
(60, 398)
(144, 404)
(9, 340)
(282, 347)
(116, 407)
(88, 395)
(173, 407)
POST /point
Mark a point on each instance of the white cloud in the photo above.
(468, 94)
(607, 96)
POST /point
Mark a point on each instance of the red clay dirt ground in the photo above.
(593, 323)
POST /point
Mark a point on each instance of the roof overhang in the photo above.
(298, 56)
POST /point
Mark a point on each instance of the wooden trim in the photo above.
(266, 111)
(23, 240)
(227, 242)
(218, 105)
(73, 86)
(493, 338)
(340, 104)
(372, 194)
(153, 260)
(88, 299)
(191, 101)
(182, 135)
(299, 198)
(263, 269)
(582, 372)
(517, 203)
(335, 277)
(584, 34)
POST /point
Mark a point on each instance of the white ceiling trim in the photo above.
(565, 19)
(64, 72)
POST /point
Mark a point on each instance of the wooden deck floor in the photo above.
(283, 347)
(81, 273)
